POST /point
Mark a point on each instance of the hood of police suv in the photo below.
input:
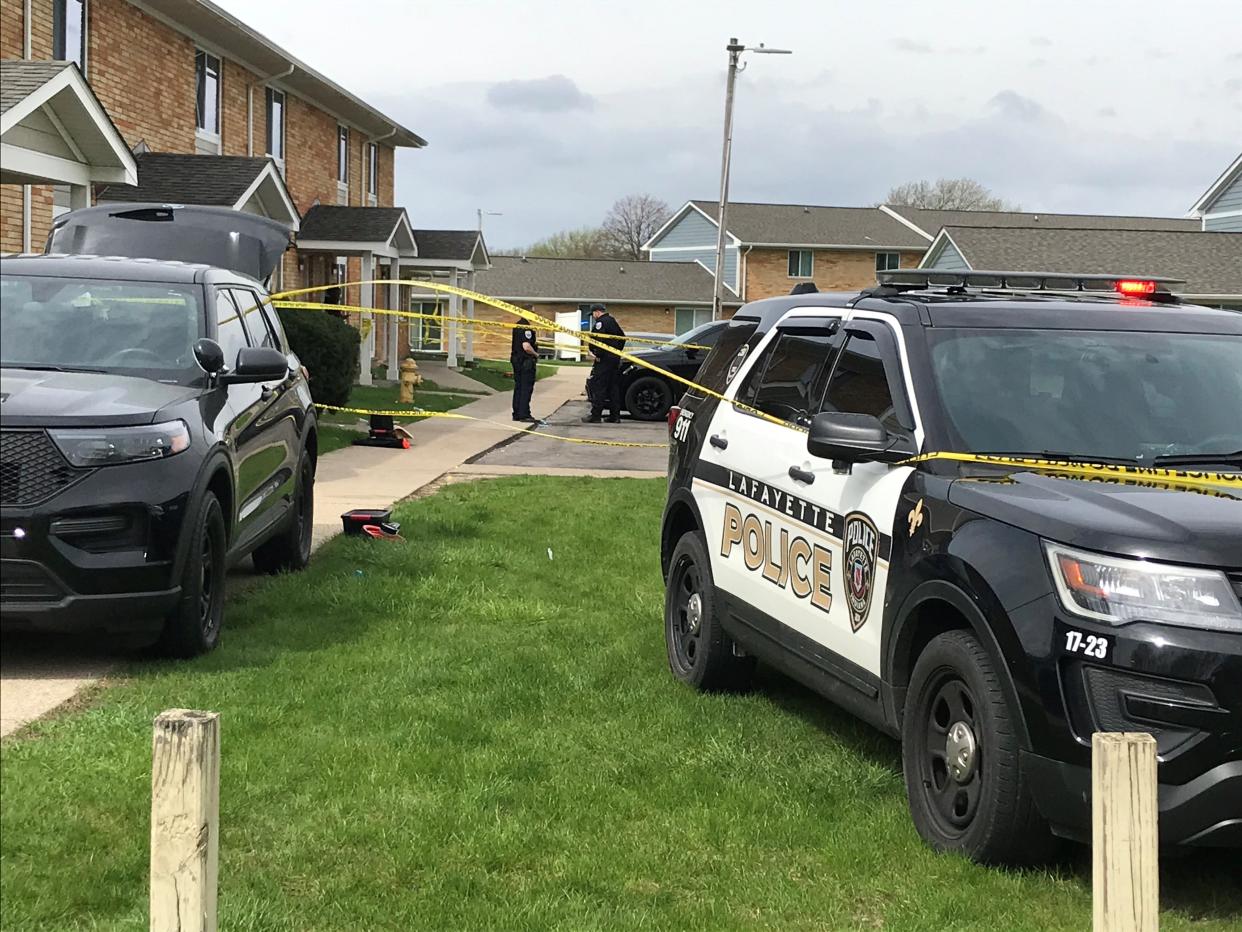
(31, 398)
(1142, 518)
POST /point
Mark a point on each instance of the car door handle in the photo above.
(801, 475)
(719, 442)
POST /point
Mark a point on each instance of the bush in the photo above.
(328, 348)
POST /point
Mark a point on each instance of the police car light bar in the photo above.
(1127, 285)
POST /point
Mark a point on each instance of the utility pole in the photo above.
(735, 51)
(489, 213)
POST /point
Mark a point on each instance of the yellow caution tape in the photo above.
(1187, 479)
(469, 321)
(1093, 470)
(420, 412)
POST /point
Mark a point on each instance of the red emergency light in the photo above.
(1134, 287)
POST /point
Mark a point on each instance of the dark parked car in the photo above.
(154, 427)
(648, 395)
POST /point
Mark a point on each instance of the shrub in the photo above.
(328, 348)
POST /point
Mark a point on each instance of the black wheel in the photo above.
(193, 627)
(289, 551)
(960, 753)
(649, 398)
(699, 651)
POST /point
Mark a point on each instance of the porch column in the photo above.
(79, 196)
(470, 314)
(454, 313)
(368, 300)
(394, 323)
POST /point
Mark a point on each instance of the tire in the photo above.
(289, 551)
(193, 627)
(700, 654)
(983, 808)
(649, 398)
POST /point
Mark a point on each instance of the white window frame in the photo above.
(211, 139)
(57, 15)
(698, 316)
(886, 253)
(342, 159)
(269, 98)
(809, 255)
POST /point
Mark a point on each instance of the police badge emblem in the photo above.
(737, 362)
(861, 543)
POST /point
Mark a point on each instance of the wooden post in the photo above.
(1125, 887)
(185, 821)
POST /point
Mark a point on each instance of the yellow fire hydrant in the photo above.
(409, 379)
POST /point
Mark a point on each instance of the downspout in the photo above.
(26, 52)
(741, 271)
(375, 141)
(250, 103)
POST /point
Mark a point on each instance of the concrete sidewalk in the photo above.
(373, 477)
(435, 371)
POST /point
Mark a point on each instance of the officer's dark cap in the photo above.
(805, 288)
(597, 307)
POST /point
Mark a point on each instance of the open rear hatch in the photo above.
(218, 236)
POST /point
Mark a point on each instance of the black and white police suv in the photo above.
(1063, 557)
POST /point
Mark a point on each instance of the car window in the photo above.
(257, 324)
(231, 335)
(726, 356)
(859, 385)
(783, 384)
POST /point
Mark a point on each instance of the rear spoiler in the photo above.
(218, 236)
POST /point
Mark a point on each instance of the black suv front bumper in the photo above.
(1182, 685)
(101, 553)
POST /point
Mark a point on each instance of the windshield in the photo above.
(1124, 395)
(131, 328)
(703, 334)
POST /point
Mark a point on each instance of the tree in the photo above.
(947, 194)
(632, 221)
(582, 243)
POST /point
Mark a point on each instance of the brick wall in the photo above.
(767, 271)
(234, 120)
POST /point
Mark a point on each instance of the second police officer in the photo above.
(605, 378)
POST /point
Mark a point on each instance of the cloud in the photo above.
(1042, 41)
(912, 45)
(1107, 112)
(553, 94)
(1234, 85)
(1013, 105)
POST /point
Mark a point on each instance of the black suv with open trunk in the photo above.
(154, 426)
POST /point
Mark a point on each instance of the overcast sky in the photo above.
(547, 111)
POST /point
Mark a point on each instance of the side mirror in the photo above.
(851, 438)
(209, 355)
(257, 364)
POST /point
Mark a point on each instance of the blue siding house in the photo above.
(690, 236)
(1220, 207)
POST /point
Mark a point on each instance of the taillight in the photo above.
(673, 414)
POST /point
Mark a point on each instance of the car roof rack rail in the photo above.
(1151, 287)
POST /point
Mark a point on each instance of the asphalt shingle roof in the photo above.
(604, 280)
(930, 221)
(19, 79)
(446, 244)
(174, 178)
(799, 225)
(350, 224)
(1210, 263)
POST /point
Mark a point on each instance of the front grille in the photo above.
(32, 469)
(27, 582)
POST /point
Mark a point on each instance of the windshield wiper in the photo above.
(40, 367)
(1198, 459)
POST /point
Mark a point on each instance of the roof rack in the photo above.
(1149, 286)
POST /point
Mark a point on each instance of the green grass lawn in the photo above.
(498, 373)
(338, 429)
(459, 733)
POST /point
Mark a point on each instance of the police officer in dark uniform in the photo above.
(605, 375)
(524, 356)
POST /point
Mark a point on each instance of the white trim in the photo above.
(647, 247)
(64, 133)
(347, 248)
(212, 139)
(55, 170)
(711, 249)
(937, 246)
(462, 266)
(270, 171)
(732, 287)
(840, 247)
(1226, 178)
(884, 208)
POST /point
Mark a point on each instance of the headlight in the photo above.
(1118, 590)
(108, 446)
